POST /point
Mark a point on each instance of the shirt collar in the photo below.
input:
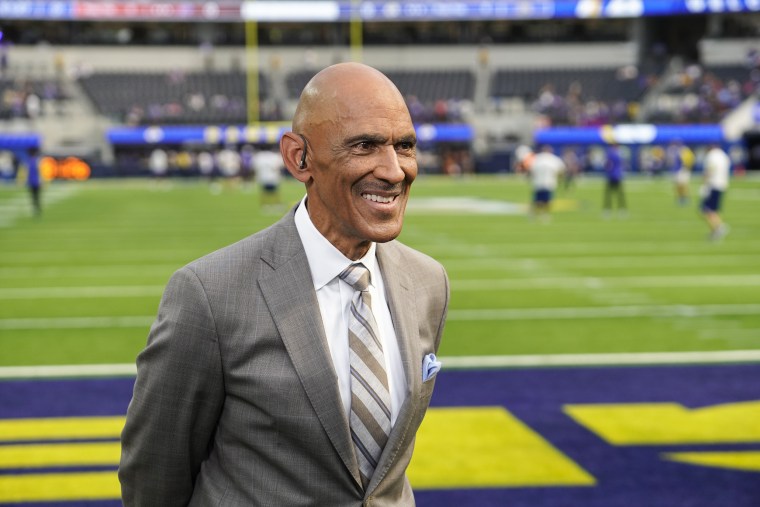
(325, 261)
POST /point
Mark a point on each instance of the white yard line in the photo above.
(603, 312)
(570, 282)
(508, 263)
(449, 362)
(82, 292)
(20, 206)
(77, 322)
(87, 271)
(589, 248)
(151, 256)
(496, 314)
(561, 282)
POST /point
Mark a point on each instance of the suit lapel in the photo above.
(401, 300)
(293, 304)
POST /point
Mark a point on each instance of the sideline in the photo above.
(449, 362)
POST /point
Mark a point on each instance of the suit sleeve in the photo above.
(177, 399)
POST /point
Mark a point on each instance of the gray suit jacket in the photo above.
(236, 401)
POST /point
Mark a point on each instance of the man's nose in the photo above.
(389, 166)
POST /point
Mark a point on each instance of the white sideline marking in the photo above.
(460, 205)
(449, 362)
(604, 312)
(68, 370)
(641, 358)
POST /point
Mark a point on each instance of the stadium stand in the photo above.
(21, 98)
(503, 79)
(587, 96)
(704, 93)
(432, 95)
(140, 98)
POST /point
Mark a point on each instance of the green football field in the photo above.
(81, 284)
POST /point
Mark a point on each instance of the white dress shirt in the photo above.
(334, 297)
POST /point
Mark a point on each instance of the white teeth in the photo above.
(378, 198)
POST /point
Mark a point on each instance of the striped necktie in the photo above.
(370, 417)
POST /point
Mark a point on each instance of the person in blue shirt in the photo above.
(34, 180)
(613, 174)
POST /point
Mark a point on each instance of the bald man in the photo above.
(249, 392)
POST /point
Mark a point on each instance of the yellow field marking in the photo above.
(487, 447)
(737, 460)
(564, 205)
(670, 423)
(66, 486)
(55, 428)
(51, 455)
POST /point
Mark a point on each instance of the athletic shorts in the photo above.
(542, 196)
(712, 201)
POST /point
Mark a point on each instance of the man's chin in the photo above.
(385, 234)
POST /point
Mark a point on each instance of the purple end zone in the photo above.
(64, 398)
(631, 476)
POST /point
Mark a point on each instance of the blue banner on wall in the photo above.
(258, 134)
(18, 142)
(631, 134)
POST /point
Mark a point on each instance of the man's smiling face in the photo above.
(361, 163)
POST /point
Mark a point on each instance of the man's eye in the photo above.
(406, 146)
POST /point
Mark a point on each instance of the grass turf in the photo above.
(581, 283)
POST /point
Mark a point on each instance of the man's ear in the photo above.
(293, 149)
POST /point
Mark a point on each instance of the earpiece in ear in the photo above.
(302, 163)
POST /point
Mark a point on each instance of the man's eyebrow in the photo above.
(367, 138)
(379, 139)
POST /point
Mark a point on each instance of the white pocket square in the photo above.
(430, 366)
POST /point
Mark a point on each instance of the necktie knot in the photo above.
(357, 276)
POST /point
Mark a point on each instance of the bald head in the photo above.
(353, 145)
(331, 93)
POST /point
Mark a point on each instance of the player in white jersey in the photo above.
(717, 169)
(268, 165)
(545, 170)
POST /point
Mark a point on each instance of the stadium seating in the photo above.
(171, 98)
(432, 95)
(703, 94)
(597, 83)
(573, 96)
(565, 96)
(14, 94)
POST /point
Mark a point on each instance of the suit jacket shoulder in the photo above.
(275, 245)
